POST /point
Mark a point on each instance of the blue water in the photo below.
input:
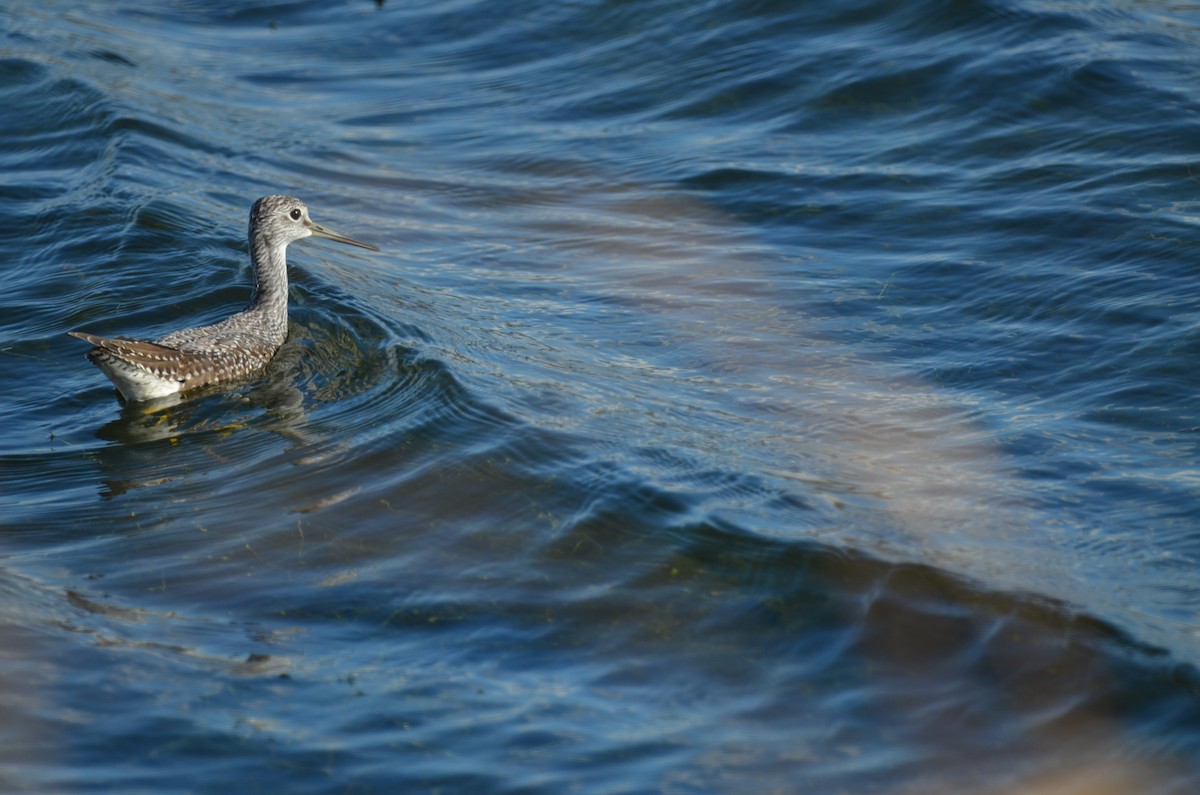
(749, 397)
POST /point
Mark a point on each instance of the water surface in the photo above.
(750, 396)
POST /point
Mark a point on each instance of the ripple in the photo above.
(751, 395)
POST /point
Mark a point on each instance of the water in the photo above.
(750, 397)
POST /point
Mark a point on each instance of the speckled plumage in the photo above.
(235, 347)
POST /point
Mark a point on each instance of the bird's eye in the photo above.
(295, 214)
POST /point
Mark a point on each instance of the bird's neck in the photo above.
(270, 281)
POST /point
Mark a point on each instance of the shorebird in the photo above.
(238, 345)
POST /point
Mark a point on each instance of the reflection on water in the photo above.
(636, 522)
(326, 363)
(621, 471)
(28, 672)
(704, 358)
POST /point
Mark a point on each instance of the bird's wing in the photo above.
(193, 368)
(161, 360)
(143, 353)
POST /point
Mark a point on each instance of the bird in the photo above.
(237, 346)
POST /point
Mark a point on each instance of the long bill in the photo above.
(329, 234)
